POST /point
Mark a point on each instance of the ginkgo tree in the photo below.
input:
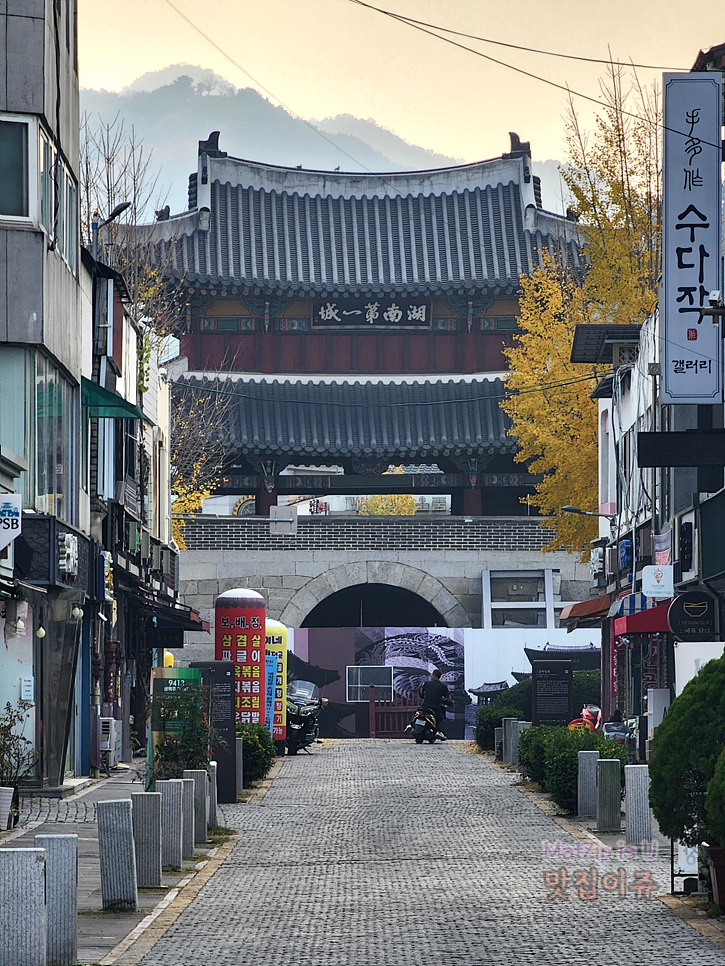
(614, 178)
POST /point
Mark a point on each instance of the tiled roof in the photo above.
(422, 420)
(469, 227)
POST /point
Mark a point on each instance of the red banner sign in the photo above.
(240, 637)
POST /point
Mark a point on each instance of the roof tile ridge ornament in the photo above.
(207, 149)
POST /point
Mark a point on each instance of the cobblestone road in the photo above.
(374, 853)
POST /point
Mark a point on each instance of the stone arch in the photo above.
(392, 573)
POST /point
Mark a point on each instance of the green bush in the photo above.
(533, 744)
(489, 717)
(258, 751)
(715, 802)
(685, 751)
(562, 762)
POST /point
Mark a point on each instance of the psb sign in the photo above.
(11, 517)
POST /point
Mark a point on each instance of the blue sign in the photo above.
(269, 689)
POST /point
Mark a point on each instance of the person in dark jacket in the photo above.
(436, 696)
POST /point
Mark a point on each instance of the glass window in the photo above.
(56, 424)
(506, 589)
(12, 399)
(14, 169)
(45, 161)
(359, 680)
(71, 245)
(518, 617)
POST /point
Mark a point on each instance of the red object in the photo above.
(650, 621)
(240, 637)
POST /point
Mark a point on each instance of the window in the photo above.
(519, 617)
(359, 680)
(14, 193)
(56, 432)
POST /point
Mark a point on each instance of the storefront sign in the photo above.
(658, 581)
(11, 517)
(552, 693)
(691, 238)
(218, 679)
(277, 645)
(393, 313)
(692, 616)
(240, 638)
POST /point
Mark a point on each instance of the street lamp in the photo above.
(96, 227)
(589, 513)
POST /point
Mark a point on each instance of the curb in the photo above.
(139, 942)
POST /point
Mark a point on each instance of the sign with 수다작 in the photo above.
(240, 638)
(277, 645)
(389, 312)
(11, 517)
(692, 616)
(691, 238)
(658, 581)
(552, 692)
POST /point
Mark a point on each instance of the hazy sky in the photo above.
(326, 57)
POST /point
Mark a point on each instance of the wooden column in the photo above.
(263, 500)
(472, 502)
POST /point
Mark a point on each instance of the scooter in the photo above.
(303, 711)
(424, 727)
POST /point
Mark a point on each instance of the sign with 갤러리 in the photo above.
(11, 517)
(691, 343)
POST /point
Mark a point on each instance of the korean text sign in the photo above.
(277, 645)
(240, 638)
(691, 355)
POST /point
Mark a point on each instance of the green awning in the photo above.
(101, 403)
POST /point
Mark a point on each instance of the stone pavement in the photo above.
(98, 932)
(385, 853)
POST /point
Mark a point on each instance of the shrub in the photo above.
(685, 750)
(182, 718)
(715, 802)
(258, 751)
(533, 744)
(562, 762)
(489, 717)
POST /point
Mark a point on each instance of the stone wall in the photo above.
(294, 580)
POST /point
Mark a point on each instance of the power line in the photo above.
(266, 90)
(387, 405)
(416, 25)
(528, 50)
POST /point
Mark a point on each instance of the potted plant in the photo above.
(685, 751)
(17, 760)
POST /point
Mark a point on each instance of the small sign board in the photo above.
(658, 581)
(11, 517)
(218, 681)
(552, 692)
(692, 616)
(166, 637)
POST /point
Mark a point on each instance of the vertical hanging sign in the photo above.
(691, 258)
(240, 637)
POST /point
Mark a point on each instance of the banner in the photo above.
(240, 637)
(11, 517)
(276, 645)
(691, 353)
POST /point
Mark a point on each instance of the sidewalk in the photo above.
(98, 932)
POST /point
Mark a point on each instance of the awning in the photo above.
(651, 621)
(101, 403)
(631, 604)
(595, 607)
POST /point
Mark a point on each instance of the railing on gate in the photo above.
(389, 716)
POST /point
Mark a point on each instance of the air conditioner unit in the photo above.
(108, 739)
(624, 354)
(596, 561)
(68, 555)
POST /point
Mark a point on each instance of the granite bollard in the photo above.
(508, 737)
(22, 909)
(636, 804)
(61, 887)
(498, 740)
(213, 819)
(240, 765)
(146, 810)
(201, 803)
(6, 801)
(586, 784)
(188, 785)
(118, 856)
(172, 822)
(519, 728)
(609, 795)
